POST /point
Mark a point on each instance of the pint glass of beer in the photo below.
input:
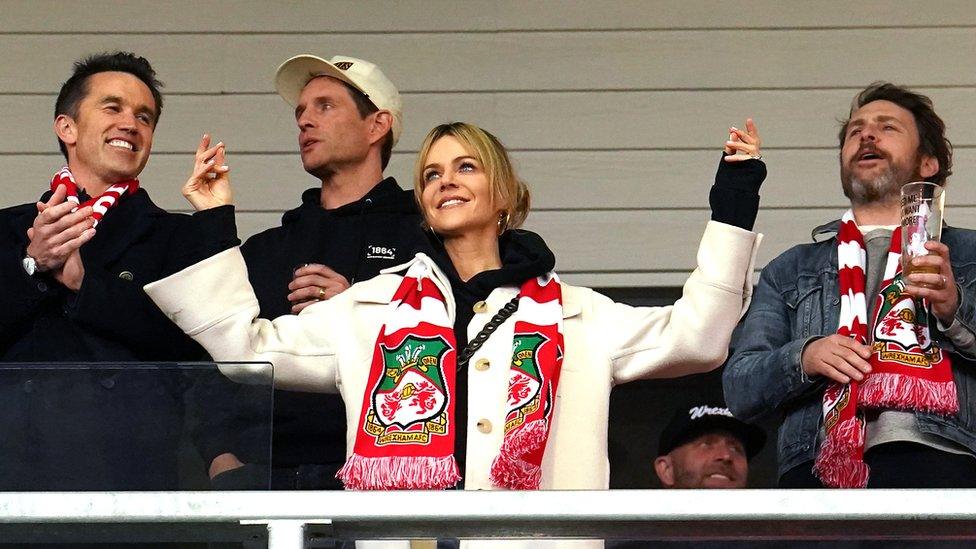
(922, 204)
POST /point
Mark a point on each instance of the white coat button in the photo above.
(480, 307)
(482, 364)
(484, 426)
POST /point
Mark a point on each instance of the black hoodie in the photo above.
(357, 240)
(524, 255)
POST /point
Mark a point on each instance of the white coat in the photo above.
(329, 346)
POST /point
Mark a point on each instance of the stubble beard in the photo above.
(884, 187)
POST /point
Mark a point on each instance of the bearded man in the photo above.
(862, 409)
(703, 446)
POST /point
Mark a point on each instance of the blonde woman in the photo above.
(471, 365)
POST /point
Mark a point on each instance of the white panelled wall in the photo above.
(614, 111)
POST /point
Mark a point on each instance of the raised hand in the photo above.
(58, 232)
(313, 283)
(209, 182)
(743, 145)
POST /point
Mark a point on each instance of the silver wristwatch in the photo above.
(30, 265)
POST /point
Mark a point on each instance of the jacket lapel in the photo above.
(125, 223)
(571, 300)
(22, 221)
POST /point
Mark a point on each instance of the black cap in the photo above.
(692, 421)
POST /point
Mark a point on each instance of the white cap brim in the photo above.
(294, 74)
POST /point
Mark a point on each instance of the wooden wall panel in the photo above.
(614, 111)
(283, 16)
(526, 61)
(614, 121)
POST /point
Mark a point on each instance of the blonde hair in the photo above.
(506, 187)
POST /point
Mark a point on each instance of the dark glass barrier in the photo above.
(133, 426)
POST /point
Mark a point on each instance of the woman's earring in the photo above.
(503, 219)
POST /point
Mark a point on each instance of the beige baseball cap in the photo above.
(294, 74)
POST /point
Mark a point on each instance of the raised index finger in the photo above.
(753, 133)
(204, 143)
(751, 127)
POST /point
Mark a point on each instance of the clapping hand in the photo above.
(56, 236)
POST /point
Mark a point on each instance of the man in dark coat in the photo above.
(72, 272)
(355, 223)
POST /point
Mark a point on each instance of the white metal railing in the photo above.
(286, 518)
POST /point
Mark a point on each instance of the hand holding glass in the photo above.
(922, 205)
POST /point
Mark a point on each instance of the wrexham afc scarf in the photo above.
(405, 435)
(100, 204)
(908, 370)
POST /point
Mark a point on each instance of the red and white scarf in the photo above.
(908, 370)
(101, 203)
(405, 435)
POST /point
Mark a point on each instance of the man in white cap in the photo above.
(355, 223)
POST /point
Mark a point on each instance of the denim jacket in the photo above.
(797, 300)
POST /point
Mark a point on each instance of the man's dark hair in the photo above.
(931, 128)
(74, 90)
(366, 108)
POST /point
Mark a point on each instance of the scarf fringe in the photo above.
(892, 383)
(837, 465)
(903, 392)
(509, 470)
(399, 473)
(515, 474)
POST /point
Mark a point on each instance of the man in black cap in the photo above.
(703, 446)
